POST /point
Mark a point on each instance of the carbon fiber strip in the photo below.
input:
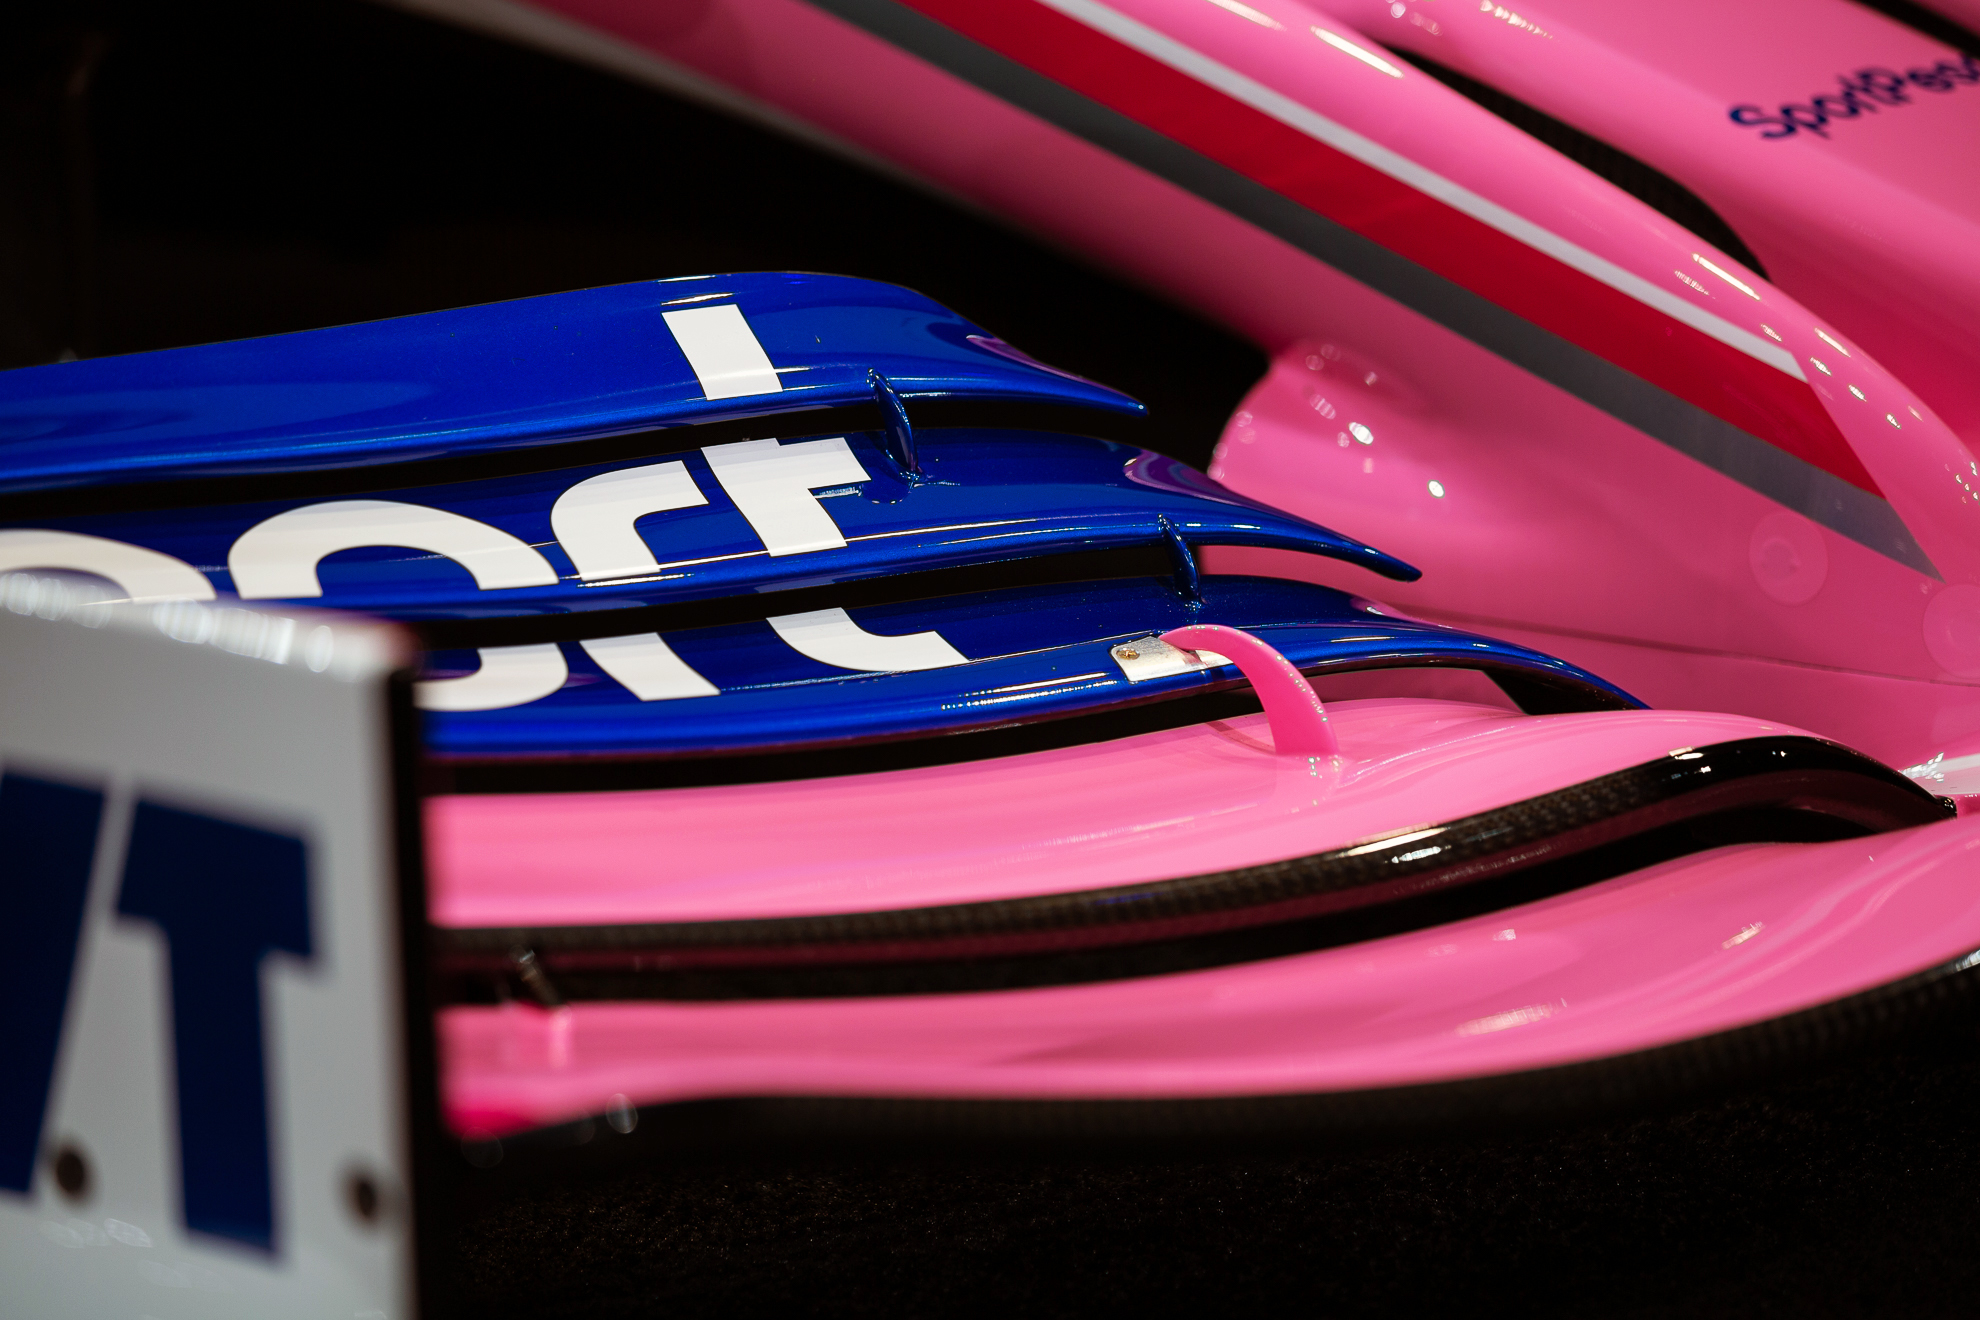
(1798, 774)
(1576, 1091)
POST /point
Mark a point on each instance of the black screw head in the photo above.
(361, 1193)
(72, 1172)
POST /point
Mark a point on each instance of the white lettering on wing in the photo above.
(772, 483)
(277, 558)
(724, 352)
(831, 637)
(594, 519)
(648, 667)
(143, 575)
(509, 676)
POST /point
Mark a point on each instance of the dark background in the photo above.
(174, 174)
(184, 173)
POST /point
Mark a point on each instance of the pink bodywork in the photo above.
(1691, 947)
(1559, 525)
(1535, 515)
(1202, 798)
(1872, 220)
(1432, 1005)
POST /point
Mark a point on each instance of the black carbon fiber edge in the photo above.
(1797, 774)
(1591, 1089)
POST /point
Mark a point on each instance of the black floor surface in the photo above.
(211, 169)
(1847, 1190)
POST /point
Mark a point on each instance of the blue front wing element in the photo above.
(987, 496)
(1033, 653)
(683, 516)
(478, 380)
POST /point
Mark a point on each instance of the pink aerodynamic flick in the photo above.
(1692, 947)
(1298, 720)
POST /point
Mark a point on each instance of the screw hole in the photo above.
(72, 1173)
(367, 1202)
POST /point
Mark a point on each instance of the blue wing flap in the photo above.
(988, 496)
(1028, 653)
(725, 519)
(477, 380)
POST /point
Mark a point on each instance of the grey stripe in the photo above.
(1685, 427)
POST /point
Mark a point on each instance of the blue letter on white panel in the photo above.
(226, 895)
(48, 838)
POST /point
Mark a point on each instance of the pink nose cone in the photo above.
(1292, 707)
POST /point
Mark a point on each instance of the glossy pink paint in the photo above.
(1685, 949)
(1177, 802)
(1534, 514)
(1562, 522)
(1919, 464)
(1832, 636)
(1873, 219)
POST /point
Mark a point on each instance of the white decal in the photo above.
(509, 676)
(277, 558)
(144, 575)
(648, 667)
(723, 350)
(832, 637)
(594, 519)
(772, 485)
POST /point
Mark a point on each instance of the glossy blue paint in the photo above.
(739, 518)
(1034, 653)
(502, 376)
(986, 496)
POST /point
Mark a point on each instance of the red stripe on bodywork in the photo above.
(1684, 361)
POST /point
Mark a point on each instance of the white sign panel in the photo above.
(204, 1098)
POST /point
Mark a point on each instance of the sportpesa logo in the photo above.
(1867, 91)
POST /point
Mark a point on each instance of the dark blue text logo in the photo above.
(1867, 91)
(224, 895)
